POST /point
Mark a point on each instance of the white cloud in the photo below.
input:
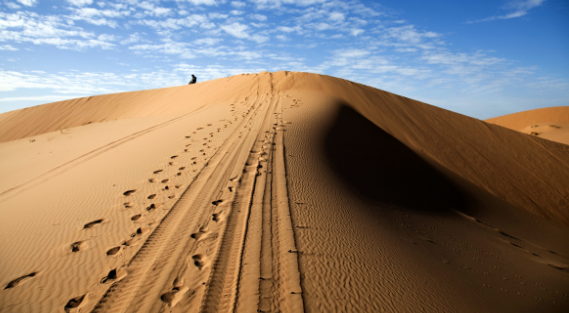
(356, 31)
(132, 38)
(237, 30)
(287, 29)
(259, 38)
(99, 17)
(30, 27)
(236, 12)
(238, 4)
(8, 47)
(519, 8)
(152, 10)
(259, 17)
(409, 34)
(12, 5)
(320, 26)
(171, 23)
(80, 3)
(107, 37)
(351, 53)
(216, 15)
(336, 17)
(202, 2)
(28, 3)
(266, 4)
(207, 41)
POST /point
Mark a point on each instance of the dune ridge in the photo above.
(281, 192)
(549, 123)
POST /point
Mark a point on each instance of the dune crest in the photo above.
(548, 123)
(285, 192)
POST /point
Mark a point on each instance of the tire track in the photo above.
(167, 240)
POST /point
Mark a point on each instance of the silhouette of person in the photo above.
(193, 81)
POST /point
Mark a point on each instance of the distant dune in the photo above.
(549, 123)
(281, 192)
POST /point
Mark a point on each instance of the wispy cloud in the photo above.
(8, 47)
(28, 3)
(80, 3)
(517, 8)
(30, 27)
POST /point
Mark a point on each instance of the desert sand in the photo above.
(549, 123)
(279, 192)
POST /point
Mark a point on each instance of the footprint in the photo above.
(129, 192)
(136, 217)
(74, 303)
(114, 251)
(171, 196)
(151, 207)
(217, 202)
(165, 180)
(157, 171)
(188, 137)
(78, 246)
(110, 277)
(198, 261)
(179, 174)
(151, 180)
(93, 223)
(173, 157)
(128, 205)
(182, 168)
(203, 231)
(19, 280)
(128, 243)
(215, 217)
(152, 196)
(141, 231)
(174, 296)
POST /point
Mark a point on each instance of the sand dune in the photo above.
(549, 123)
(278, 192)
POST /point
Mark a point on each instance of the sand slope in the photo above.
(549, 123)
(277, 192)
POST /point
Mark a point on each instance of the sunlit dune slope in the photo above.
(529, 173)
(549, 123)
(277, 192)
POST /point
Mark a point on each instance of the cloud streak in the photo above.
(518, 8)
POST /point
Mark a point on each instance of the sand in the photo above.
(278, 192)
(548, 123)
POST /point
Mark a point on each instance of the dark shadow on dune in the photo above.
(382, 169)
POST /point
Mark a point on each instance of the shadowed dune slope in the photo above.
(549, 123)
(277, 192)
(528, 172)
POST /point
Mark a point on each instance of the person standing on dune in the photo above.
(193, 81)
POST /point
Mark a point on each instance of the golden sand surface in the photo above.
(280, 192)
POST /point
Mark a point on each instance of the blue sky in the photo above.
(479, 58)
